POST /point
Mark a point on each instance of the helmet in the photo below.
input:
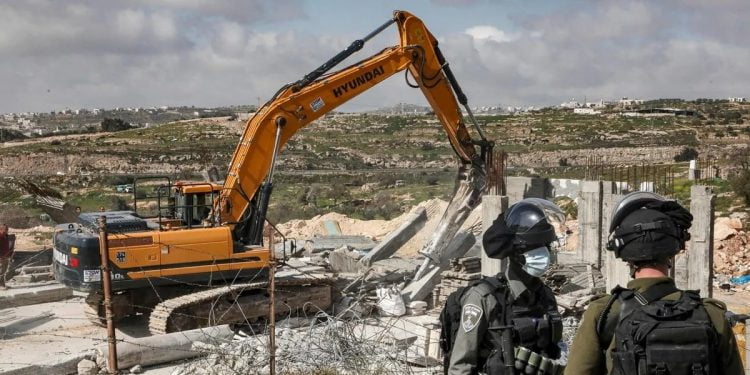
(646, 226)
(526, 225)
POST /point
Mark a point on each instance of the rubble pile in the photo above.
(463, 272)
(731, 253)
(333, 345)
(575, 285)
(34, 274)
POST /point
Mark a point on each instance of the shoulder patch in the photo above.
(470, 316)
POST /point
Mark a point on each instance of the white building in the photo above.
(586, 111)
(570, 104)
(628, 102)
(737, 100)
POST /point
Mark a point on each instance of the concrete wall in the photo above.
(565, 187)
(692, 270)
(518, 188)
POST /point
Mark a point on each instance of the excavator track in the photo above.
(122, 307)
(241, 303)
(93, 309)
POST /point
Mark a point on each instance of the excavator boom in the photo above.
(294, 106)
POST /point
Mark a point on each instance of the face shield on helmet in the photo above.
(527, 225)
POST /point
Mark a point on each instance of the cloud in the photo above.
(607, 50)
(488, 33)
(166, 52)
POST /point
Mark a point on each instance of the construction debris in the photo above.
(346, 347)
(391, 243)
(420, 288)
(575, 285)
(34, 274)
(154, 350)
(462, 272)
(32, 296)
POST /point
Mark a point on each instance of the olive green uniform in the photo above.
(587, 358)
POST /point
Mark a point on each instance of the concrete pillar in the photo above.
(616, 272)
(590, 222)
(492, 207)
(516, 187)
(394, 240)
(155, 350)
(700, 265)
(609, 201)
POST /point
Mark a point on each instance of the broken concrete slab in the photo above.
(30, 296)
(64, 366)
(418, 290)
(33, 278)
(345, 259)
(154, 350)
(315, 245)
(391, 243)
(11, 326)
(26, 270)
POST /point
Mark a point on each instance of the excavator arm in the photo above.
(244, 199)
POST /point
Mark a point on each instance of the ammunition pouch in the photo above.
(539, 332)
(531, 363)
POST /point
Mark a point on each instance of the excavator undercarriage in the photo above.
(242, 303)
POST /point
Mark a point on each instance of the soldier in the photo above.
(652, 327)
(7, 244)
(509, 323)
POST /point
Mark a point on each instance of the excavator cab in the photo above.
(178, 205)
(193, 202)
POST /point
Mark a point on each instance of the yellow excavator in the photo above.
(199, 261)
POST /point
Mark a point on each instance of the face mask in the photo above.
(537, 261)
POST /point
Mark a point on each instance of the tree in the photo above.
(687, 154)
(741, 184)
(114, 125)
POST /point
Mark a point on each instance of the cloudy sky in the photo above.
(90, 53)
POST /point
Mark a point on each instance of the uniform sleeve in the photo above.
(585, 356)
(465, 353)
(730, 362)
(730, 355)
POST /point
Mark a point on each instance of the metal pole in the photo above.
(106, 283)
(272, 307)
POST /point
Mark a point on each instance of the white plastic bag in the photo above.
(390, 301)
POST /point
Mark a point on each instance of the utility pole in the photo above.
(272, 307)
(107, 285)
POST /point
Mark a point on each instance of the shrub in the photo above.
(114, 125)
(741, 185)
(687, 154)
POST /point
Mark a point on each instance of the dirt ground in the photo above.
(66, 332)
(32, 239)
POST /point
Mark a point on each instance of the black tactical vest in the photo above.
(664, 337)
(534, 321)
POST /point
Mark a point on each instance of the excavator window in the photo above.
(193, 209)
